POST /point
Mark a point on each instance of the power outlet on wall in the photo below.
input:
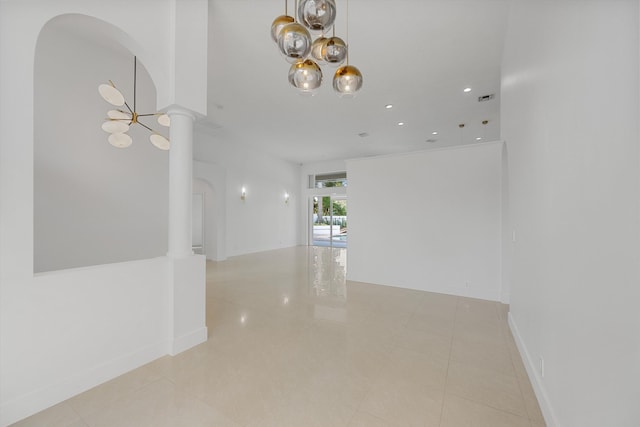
(541, 367)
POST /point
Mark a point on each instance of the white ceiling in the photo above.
(418, 55)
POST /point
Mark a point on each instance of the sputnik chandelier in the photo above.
(119, 121)
(307, 56)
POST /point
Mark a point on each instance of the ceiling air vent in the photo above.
(486, 97)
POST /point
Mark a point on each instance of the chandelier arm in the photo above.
(147, 127)
(135, 78)
(129, 108)
(150, 114)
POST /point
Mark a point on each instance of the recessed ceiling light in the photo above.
(478, 139)
(467, 89)
(388, 106)
(434, 133)
(400, 123)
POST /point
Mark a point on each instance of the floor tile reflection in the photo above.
(293, 343)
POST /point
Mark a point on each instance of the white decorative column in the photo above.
(188, 274)
(180, 182)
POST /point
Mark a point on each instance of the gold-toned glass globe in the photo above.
(347, 81)
(316, 49)
(317, 15)
(294, 42)
(334, 51)
(277, 25)
(305, 75)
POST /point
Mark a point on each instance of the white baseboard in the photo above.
(484, 294)
(187, 341)
(34, 402)
(543, 399)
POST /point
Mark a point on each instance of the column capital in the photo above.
(176, 110)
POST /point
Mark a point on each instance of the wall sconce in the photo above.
(286, 198)
(243, 194)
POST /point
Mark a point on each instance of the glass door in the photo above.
(329, 221)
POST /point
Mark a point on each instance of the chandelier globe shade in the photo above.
(347, 81)
(294, 42)
(120, 140)
(277, 25)
(115, 126)
(110, 94)
(119, 115)
(334, 51)
(317, 15)
(164, 120)
(306, 76)
(159, 141)
(316, 49)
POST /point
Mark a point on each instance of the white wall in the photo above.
(93, 203)
(66, 331)
(569, 111)
(428, 220)
(263, 221)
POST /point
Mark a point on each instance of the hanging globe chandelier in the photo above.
(307, 53)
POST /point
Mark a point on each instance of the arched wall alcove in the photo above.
(93, 203)
(68, 331)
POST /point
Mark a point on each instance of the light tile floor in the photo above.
(292, 343)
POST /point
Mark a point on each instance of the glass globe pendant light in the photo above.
(278, 24)
(347, 81)
(305, 75)
(334, 51)
(294, 42)
(317, 15)
(316, 49)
